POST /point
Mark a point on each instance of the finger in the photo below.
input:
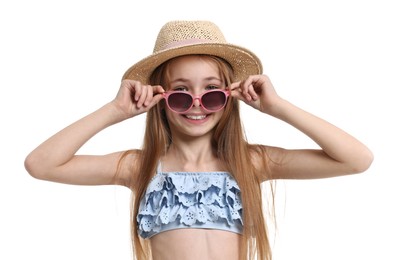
(252, 93)
(237, 90)
(156, 99)
(154, 95)
(245, 90)
(142, 96)
(251, 85)
(235, 85)
(158, 89)
(149, 95)
(137, 87)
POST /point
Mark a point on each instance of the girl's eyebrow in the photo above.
(188, 80)
(213, 78)
(179, 80)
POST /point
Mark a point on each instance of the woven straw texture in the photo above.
(178, 38)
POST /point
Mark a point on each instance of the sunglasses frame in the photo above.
(167, 94)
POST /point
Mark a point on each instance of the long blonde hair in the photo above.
(231, 147)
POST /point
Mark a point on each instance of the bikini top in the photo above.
(175, 200)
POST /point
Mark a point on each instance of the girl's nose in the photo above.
(197, 102)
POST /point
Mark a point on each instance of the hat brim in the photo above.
(243, 61)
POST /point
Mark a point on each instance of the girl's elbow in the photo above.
(364, 162)
(32, 166)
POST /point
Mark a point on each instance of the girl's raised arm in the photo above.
(56, 159)
(341, 153)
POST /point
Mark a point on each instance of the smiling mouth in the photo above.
(197, 117)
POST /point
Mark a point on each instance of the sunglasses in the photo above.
(182, 101)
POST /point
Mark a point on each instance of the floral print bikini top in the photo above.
(175, 200)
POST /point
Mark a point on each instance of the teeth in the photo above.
(200, 117)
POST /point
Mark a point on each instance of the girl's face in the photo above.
(196, 75)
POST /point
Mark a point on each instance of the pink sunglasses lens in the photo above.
(214, 101)
(180, 102)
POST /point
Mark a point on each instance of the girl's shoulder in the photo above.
(266, 159)
(127, 167)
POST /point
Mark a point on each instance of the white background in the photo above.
(341, 60)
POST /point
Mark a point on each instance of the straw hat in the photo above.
(177, 38)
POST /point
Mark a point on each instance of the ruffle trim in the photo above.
(190, 200)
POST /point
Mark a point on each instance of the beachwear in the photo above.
(175, 200)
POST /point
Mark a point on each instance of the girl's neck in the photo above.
(191, 151)
(191, 156)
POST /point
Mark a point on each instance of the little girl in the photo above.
(197, 181)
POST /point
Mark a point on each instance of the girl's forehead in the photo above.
(212, 68)
(193, 60)
(189, 68)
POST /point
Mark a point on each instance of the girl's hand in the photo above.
(256, 91)
(134, 98)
